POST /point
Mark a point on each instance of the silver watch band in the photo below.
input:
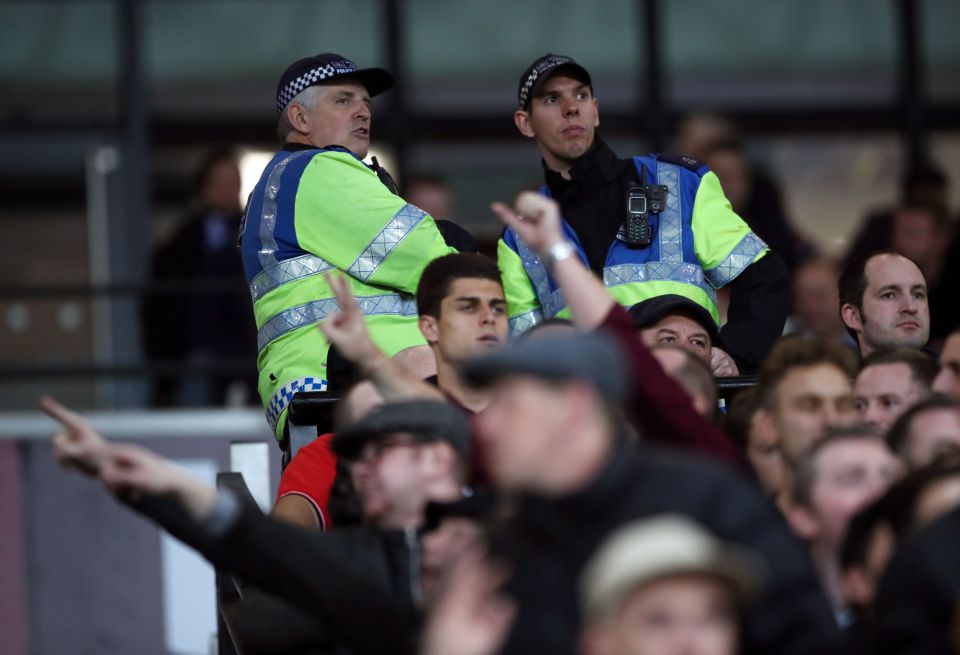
(558, 252)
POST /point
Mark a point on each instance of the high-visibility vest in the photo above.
(699, 245)
(321, 210)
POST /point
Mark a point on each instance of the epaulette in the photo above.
(689, 163)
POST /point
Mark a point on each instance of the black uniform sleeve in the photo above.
(759, 303)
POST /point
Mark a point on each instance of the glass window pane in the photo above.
(469, 55)
(939, 20)
(750, 52)
(228, 54)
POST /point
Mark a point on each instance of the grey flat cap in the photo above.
(592, 358)
(425, 420)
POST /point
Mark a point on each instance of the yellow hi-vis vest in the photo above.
(318, 210)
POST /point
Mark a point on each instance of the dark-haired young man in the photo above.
(883, 302)
(647, 226)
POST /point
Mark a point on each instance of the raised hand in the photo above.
(78, 446)
(471, 616)
(535, 219)
(722, 364)
(346, 328)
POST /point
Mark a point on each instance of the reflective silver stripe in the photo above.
(282, 397)
(384, 243)
(671, 223)
(737, 261)
(551, 302)
(313, 312)
(658, 272)
(285, 271)
(268, 216)
(525, 321)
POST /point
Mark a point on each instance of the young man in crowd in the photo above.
(647, 226)
(553, 435)
(844, 472)
(883, 303)
(804, 385)
(360, 584)
(757, 438)
(928, 430)
(891, 380)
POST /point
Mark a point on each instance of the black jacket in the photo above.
(918, 601)
(593, 201)
(548, 541)
(360, 584)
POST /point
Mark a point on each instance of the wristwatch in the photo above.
(558, 252)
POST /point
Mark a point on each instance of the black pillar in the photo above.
(397, 120)
(911, 84)
(654, 118)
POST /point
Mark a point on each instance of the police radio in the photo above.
(642, 200)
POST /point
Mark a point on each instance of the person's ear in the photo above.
(596, 112)
(522, 120)
(851, 317)
(297, 115)
(428, 328)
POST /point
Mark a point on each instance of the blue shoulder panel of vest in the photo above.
(285, 232)
(689, 163)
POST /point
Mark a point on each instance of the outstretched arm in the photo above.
(347, 330)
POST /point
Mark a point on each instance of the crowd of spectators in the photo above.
(580, 486)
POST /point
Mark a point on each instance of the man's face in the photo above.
(850, 474)
(440, 547)
(389, 477)
(948, 379)
(681, 331)
(883, 392)
(519, 430)
(894, 310)
(340, 116)
(472, 321)
(679, 615)
(808, 400)
(563, 118)
(933, 433)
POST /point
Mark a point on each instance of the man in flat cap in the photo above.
(319, 207)
(356, 587)
(647, 226)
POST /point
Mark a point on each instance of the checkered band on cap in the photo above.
(544, 65)
(311, 77)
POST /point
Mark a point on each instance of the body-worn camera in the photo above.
(642, 200)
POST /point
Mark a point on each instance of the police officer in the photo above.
(316, 208)
(648, 226)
